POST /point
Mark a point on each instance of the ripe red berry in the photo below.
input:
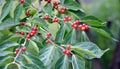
(24, 48)
(55, 3)
(21, 1)
(22, 33)
(48, 1)
(66, 52)
(62, 9)
(68, 47)
(47, 41)
(66, 18)
(34, 28)
(74, 25)
(77, 22)
(28, 36)
(16, 50)
(83, 27)
(27, 13)
(48, 34)
(22, 23)
(16, 32)
(46, 17)
(55, 20)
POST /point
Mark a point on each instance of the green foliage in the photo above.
(42, 55)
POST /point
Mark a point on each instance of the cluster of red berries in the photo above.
(66, 18)
(77, 24)
(32, 32)
(22, 1)
(55, 4)
(23, 49)
(61, 9)
(55, 20)
(67, 50)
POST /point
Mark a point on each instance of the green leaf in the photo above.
(8, 23)
(72, 5)
(18, 11)
(6, 60)
(36, 61)
(48, 8)
(71, 37)
(32, 48)
(8, 46)
(91, 18)
(49, 55)
(84, 37)
(78, 62)
(60, 34)
(94, 23)
(26, 59)
(6, 9)
(62, 63)
(40, 22)
(11, 65)
(88, 50)
(102, 32)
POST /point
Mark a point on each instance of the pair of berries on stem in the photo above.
(67, 50)
(77, 24)
(23, 49)
(48, 36)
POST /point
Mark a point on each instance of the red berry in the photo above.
(21, 1)
(83, 27)
(16, 32)
(68, 47)
(16, 50)
(48, 34)
(55, 20)
(74, 25)
(48, 1)
(67, 52)
(47, 41)
(28, 36)
(66, 18)
(46, 17)
(24, 48)
(22, 33)
(22, 23)
(27, 13)
(61, 9)
(77, 22)
(34, 28)
(64, 51)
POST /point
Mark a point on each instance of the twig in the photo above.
(15, 58)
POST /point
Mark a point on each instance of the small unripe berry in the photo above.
(27, 13)
(16, 32)
(24, 48)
